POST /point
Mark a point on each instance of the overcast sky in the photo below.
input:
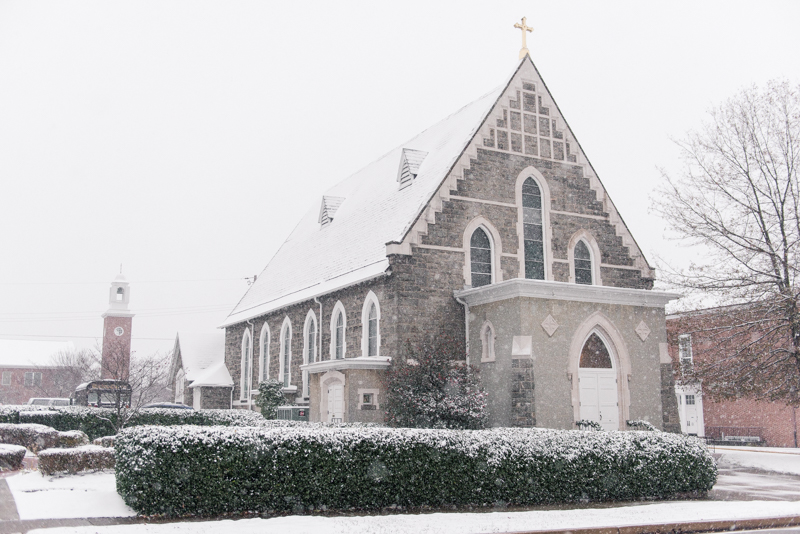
(184, 140)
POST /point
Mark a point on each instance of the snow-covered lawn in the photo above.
(776, 460)
(465, 523)
(58, 497)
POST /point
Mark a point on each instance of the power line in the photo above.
(45, 336)
(177, 281)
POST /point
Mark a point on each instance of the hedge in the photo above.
(179, 471)
(98, 422)
(11, 457)
(84, 458)
(31, 436)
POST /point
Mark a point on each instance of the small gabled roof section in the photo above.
(410, 160)
(328, 208)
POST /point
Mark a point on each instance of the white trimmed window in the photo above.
(338, 329)
(533, 230)
(179, 386)
(263, 354)
(487, 342)
(309, 346)
(480, 256)
(6, 381)
(247, 366)
(685, 351)
(285, 373)
(582, 259)
(370, 326)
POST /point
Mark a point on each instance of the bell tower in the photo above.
(117, 321)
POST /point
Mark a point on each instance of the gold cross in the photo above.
(525, 28)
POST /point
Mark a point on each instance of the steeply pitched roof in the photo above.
(196, 352)
(377, 211)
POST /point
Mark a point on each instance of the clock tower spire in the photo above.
(117, 321)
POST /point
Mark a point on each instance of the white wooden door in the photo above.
(691, 414)
(598, 397)
(335, 403)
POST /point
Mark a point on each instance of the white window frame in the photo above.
(263, 352)
(247, 354)
(370, 299)
(685, 342)
(337, 309)
(594, 255)
(311, 321)
(286, 326)
(494, 241)
(5, 380)
(179, 386)
(547, 231)
(487, 351)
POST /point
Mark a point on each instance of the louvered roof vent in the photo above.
(328, 209)
(410, 160)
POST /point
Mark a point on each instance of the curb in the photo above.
(687, 527)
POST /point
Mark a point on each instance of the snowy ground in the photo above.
(94, 495)
(88, 495)
(775, 460)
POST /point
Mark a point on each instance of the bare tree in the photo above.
(738, 198)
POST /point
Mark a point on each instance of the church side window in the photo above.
(263, 355)
(339, 335)
(286, 353)
(583, 264)
(309, 346)
(370, 326)
(533, 230)
(487, 342)
(179, 386)
(338, 345)
(480, 252)
(247, 370)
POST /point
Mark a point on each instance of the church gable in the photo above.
(525, 128)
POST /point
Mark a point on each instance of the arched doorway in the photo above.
(597, 377)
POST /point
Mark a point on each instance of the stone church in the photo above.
(491, 225)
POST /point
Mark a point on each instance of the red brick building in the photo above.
(772, 424)
(26, 370)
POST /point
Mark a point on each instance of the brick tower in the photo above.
(117, 321)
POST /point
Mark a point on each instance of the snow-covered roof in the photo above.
(29, 353)
(317, 259)
(389, 203)
(198, 351)
(216, 375)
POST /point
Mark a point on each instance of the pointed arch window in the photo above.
(309, 346)
(487, 342)
(247, 366)
(595, 354)
(263, 356)
(583, 263)
(370, 326)
(339, 337)
(533, 230)
(338, 344)
(286, 353)
(480, 253)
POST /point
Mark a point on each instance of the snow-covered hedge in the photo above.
(178, 471)
(31, 436)
(84, 458)
(9, 413)
(11, 457)
(99, 422)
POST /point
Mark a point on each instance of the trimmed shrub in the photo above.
(641, 425)
(70, 439)
(270, 396)
(31, 436)
(11, 457)
(105, 441)
(84, 458)
(99, 422)
(9, 413)
(177, 471)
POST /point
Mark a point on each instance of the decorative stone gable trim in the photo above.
(544, 134)
(642, 331)
(550, 325)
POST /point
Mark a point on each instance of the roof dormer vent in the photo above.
(410, 160)
(328, 209)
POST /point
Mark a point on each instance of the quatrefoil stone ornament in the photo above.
(642, 330)
(550, 325)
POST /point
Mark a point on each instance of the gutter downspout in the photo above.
(319, 328)
(250, 378)
(466, 325)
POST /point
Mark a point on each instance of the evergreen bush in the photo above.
(182, 471)
(432, 387)
(270, 396)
